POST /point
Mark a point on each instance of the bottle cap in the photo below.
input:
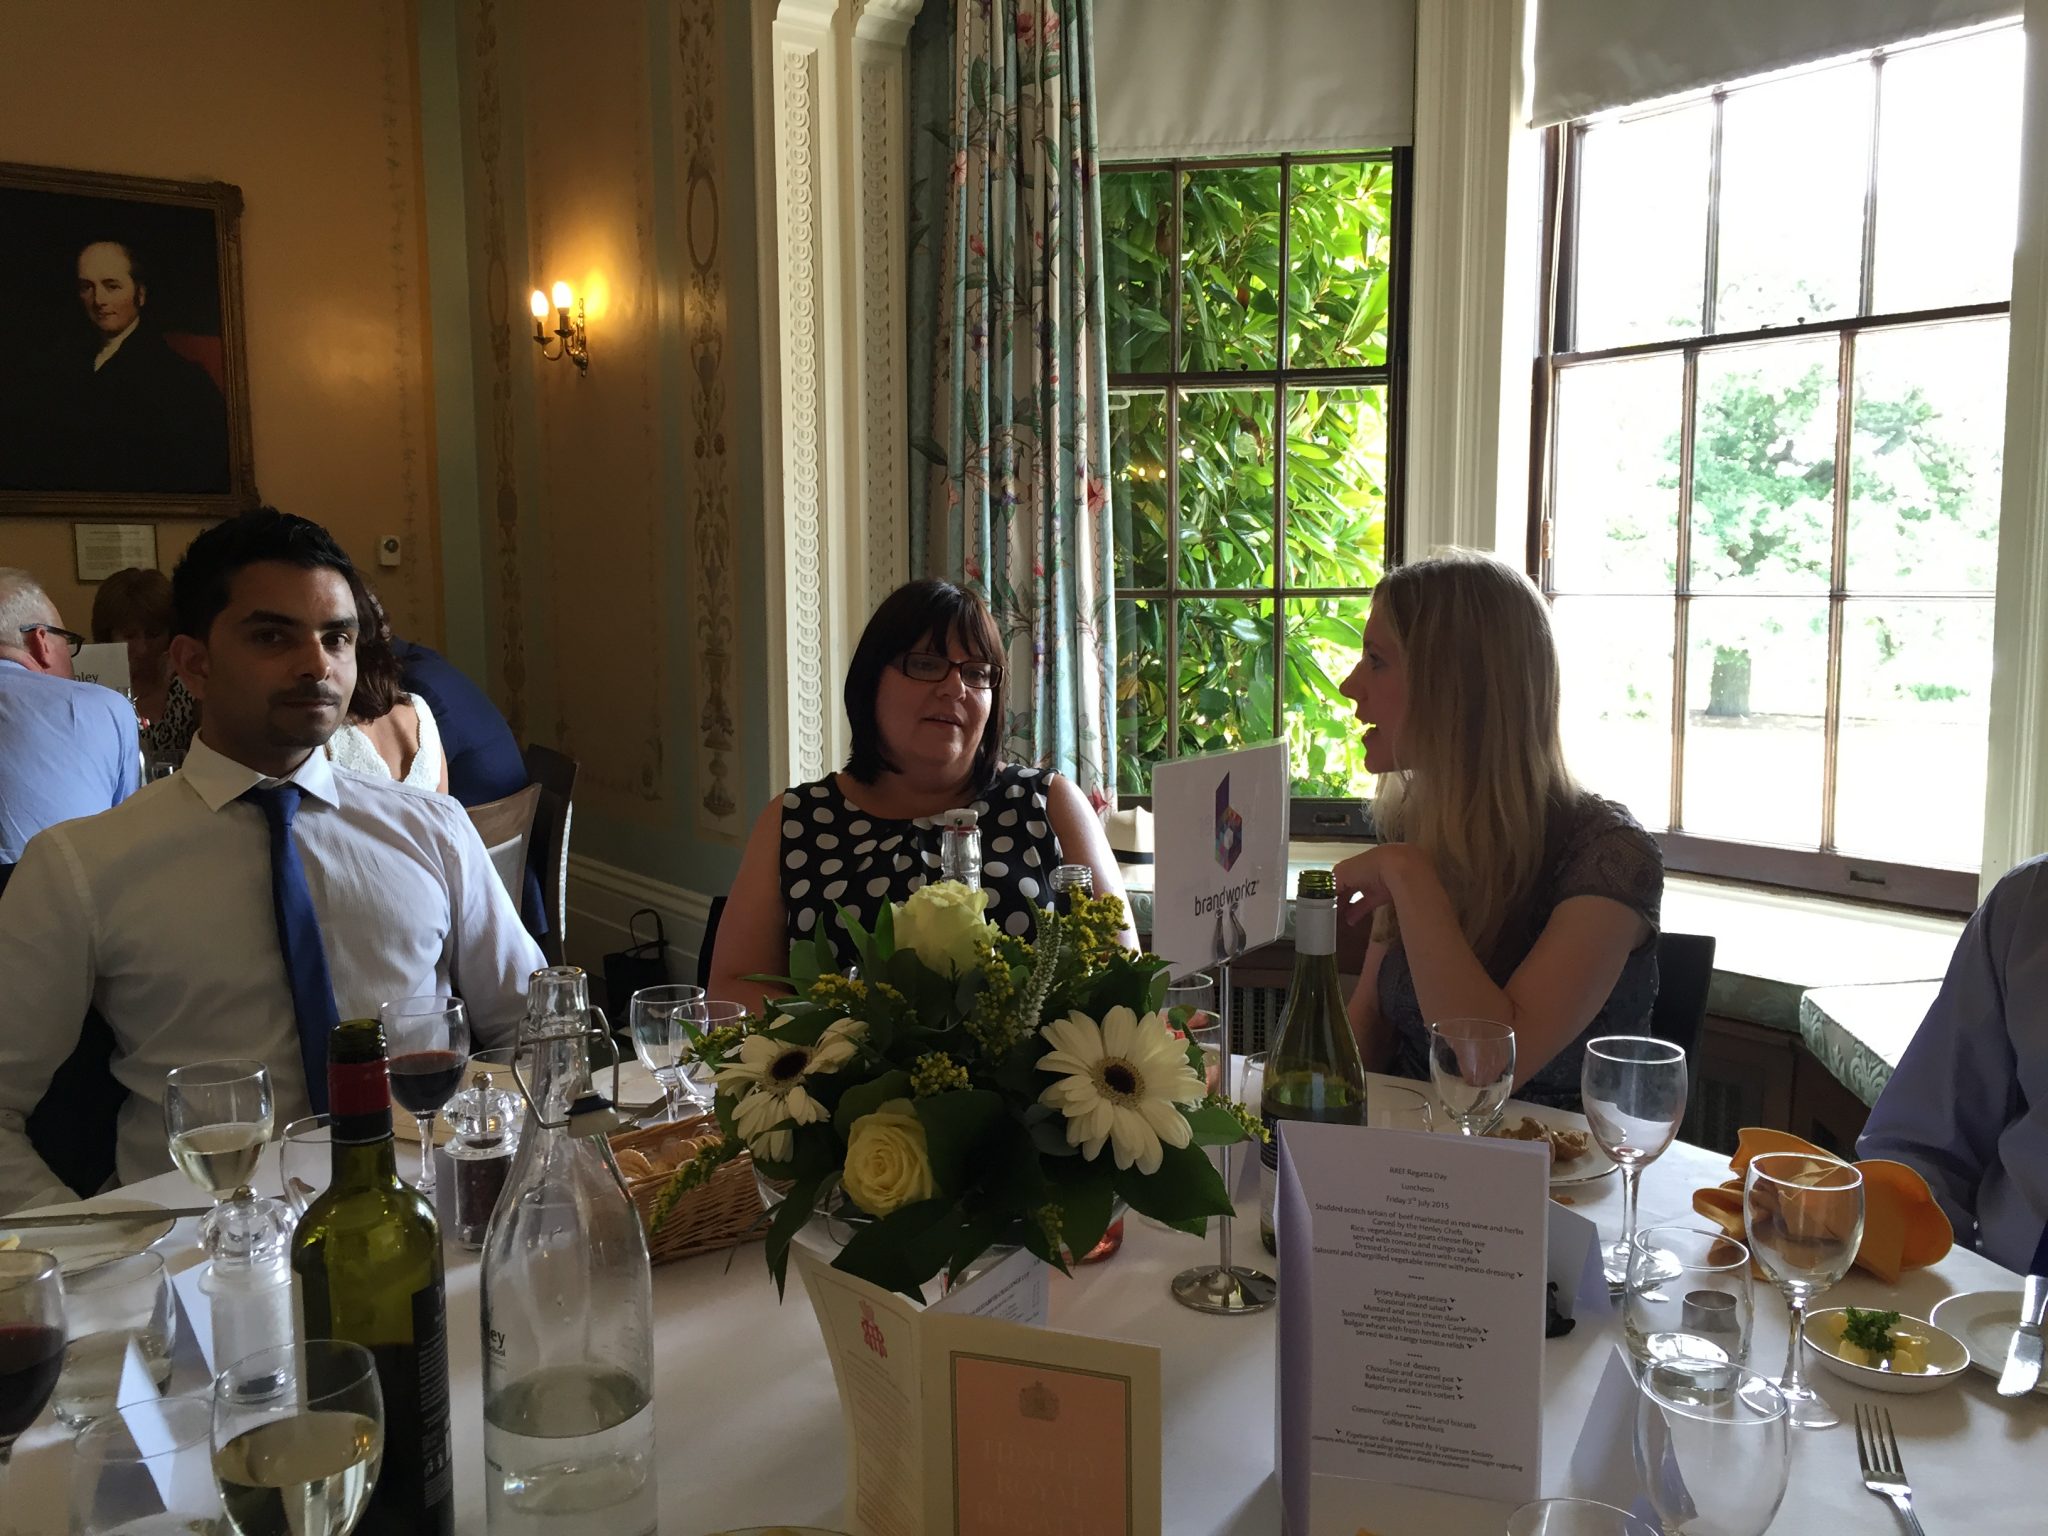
(965, 820)
(1316, 884)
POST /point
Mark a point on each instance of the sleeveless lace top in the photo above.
(349, 747)
(835, 854)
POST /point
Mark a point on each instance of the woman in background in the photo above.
(389, 731)
(1500, 888)
(924, 696)
(133, 607)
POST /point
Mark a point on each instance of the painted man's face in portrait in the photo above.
(107, 289)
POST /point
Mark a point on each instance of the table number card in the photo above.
(961, 1424)
(1411, 1312)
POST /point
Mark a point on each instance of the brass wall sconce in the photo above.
(570, 341)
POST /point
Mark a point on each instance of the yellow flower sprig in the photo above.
(934, 1073)
(693, 1174)
(1254, 1126)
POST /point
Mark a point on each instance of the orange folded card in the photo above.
(1903, 1226)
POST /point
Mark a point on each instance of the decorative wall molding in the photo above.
(602, 901)
(405, 246)
(1471, 315)
(884, 444)
(707, 329)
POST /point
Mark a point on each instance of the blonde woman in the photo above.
(1500, 889)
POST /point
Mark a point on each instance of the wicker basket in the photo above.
(719, 1214)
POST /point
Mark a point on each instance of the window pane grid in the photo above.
(1901, 484)
(1213, 444)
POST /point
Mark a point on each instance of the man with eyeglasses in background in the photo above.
(67, 749)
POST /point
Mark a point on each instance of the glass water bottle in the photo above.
(960, 848)
(567, 1300)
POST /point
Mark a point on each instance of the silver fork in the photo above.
(1884, 1474)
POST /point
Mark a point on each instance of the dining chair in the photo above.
(555, 773)
(705, 944)
(506, 826)
(1685, 970)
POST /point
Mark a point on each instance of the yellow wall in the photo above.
(313, 111)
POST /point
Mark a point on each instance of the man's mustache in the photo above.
(312, 695)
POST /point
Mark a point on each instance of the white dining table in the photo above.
(749, 1431)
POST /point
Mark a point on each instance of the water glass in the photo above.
(428, 1042)
(659, 1018)
(1688, 1297)
(298, 1438)
(1711, 1448)
(31, 1339)
(1803, 1213)
(305, 1160)
(1472, 1065)
(700, 1081)
(1394, 1108)
(109, 1307)
(1576, 1517)
(147, 1467)
(1633, 1090)
(217, 1117)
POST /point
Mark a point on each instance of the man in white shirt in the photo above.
(195, 928)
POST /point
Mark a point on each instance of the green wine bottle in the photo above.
(1314, 1071)
(366, 1266)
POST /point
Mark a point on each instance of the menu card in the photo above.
(967, 1425)
(1411, 1312)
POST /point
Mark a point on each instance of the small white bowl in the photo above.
(1946, 1357)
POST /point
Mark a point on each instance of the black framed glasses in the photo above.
(71, 637)
(925, 667)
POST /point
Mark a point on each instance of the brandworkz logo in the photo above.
(1229, 828)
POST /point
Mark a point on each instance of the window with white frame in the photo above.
(1767, 488)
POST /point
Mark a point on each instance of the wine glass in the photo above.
(106, 1308)
(428, 1040)
(1576, 1517)
(218, 1115)
(658, 1016)
(1472, 1065)
(298, 1438)
(1711, 1448)
(1633, 1091)
(305, 1160)
(700, 1080)
(1196, 994)
(1804, 1216)
(31, 1339)
(1688, 1297)
(146, 1467)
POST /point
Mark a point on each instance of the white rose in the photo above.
(888, 1164)
(943, 923)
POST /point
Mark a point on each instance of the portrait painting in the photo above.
(124, 391)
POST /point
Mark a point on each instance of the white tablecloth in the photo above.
(749, 1430)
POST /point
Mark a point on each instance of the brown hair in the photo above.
(138, 597)
(379, 684)
(1482, 752)
(930, 613)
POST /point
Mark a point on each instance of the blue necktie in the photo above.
(298, 936)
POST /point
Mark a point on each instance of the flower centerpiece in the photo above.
(967, 1089)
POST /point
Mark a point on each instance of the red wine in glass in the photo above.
(425, 1080)
(31, 1358)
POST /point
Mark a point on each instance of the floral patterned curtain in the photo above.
(1008, 349)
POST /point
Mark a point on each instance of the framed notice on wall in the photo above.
(104, 548)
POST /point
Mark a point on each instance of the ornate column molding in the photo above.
(837, 68)
(1471, 316)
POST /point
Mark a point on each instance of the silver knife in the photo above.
(2023, 1355)
(29, 1221)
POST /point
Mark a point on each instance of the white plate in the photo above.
(1985, 1321)
(79, 1248)
(1590, 1166)
(1947, 1357)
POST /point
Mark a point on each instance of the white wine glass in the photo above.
(146, 1468)
(1472, 1066)
(32, 1334)
(217, 1116)
(1711, 1448)
(298, 1438)
(700, 1081)
(1804, 1216)
(658, 1018)
(1632, 1089)
(428, 1042)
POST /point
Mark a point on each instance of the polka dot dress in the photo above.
(835, 854)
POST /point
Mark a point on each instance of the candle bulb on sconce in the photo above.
(568, 329)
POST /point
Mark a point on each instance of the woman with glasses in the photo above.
(924, 697)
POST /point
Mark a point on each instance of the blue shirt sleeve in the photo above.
(1957, 1085)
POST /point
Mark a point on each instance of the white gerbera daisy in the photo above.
(770, 1077)
(1121, 1080)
